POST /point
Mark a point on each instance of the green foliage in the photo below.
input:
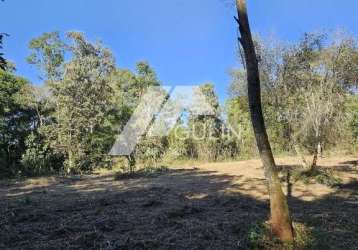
(128, 88)
(148, 171)
(47, 53)
(17, 120)
(179, 143)
(146, 77)
(39, 159)
(259, 236)
(205, 130)
(305, 88)
(83, 105)
(151, 150)
(322, 176)
(87, 102)
(71, 122)
(350, 131)
(316, 88)
(238, 117)
(3, 62)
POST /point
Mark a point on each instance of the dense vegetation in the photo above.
(69, 124)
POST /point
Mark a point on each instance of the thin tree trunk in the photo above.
(70, 162)
(320, 150)
(307, 167)
(280, 219)
(131, 162)
(315, 158)
(304, 163)
(316, 151)
(39, 117)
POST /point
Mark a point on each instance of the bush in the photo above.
(260, 236)
(151, 150)
(144, 172)
(322, 176)
(39, 159)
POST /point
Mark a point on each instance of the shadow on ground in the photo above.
(179, 209)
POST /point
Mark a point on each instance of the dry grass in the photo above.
(205, 206)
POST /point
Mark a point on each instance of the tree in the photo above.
(47, 53)
(146, 77)
(313, 81)
(39, 158)
(17, 121)
(280, 218)
(350, 128)
(270, 56)
(180, 145)
(238, 116)
(83, 96)
(205, 128)
(3, 63)
(304, 87)
(128, 88)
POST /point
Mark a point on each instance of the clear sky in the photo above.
(186, 41)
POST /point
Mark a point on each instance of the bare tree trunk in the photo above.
(131, 162)
(315, 158)
(317, 149)
(307, 166)
(39, 117)
(280, 219)
(320, 150)
(70, 162)
(299, 153)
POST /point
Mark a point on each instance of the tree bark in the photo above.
(320, 150)
(70, 162)
(131, 162)
(315, 158)
(305, 165)
(280, 219)
(308, 166)
(317, 149)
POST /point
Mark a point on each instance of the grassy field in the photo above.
(204, 206)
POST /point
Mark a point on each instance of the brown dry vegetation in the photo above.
(206, 206)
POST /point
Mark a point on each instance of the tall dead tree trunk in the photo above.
(280, 219)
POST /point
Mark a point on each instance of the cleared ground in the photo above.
(206, 206)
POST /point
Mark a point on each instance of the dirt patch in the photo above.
(207, 206)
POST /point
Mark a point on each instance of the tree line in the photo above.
(69, 124)
(306, 85)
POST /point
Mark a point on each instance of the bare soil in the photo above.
(205, 206)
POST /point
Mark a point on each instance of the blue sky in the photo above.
(186, 41)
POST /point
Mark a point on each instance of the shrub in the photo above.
(322, 176)
(260, 236)
(38, 158)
